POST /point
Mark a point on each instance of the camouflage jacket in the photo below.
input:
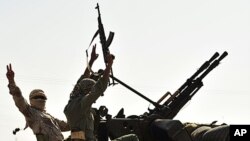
(79, 112)
(39, 121)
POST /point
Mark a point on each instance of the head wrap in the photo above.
(38, 99)
(83, 87)
(96, 75)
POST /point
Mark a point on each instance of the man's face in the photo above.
(38, 100)
(38, 104)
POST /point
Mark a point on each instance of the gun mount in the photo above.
(158, 123)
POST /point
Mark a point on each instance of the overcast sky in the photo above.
(157, 44)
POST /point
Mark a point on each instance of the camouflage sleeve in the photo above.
(96, 91)
(19, 100)
(64, 126)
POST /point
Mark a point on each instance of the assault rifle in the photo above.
(157, 124)
(105, 43)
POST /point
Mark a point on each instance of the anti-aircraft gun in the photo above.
(158, 123)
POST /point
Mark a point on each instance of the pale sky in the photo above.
(157, 44)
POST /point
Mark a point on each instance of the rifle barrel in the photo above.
(213, 65)
(191, 86)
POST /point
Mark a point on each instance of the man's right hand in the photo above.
(106, 73)
(10, 73)
(110, 58)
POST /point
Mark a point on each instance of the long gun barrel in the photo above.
(174, 103)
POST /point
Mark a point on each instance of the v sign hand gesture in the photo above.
(10, 73)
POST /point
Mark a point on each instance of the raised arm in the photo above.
(106, 72)
(101, 85)
(93, 57)
(86, 73)
(14, 90)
